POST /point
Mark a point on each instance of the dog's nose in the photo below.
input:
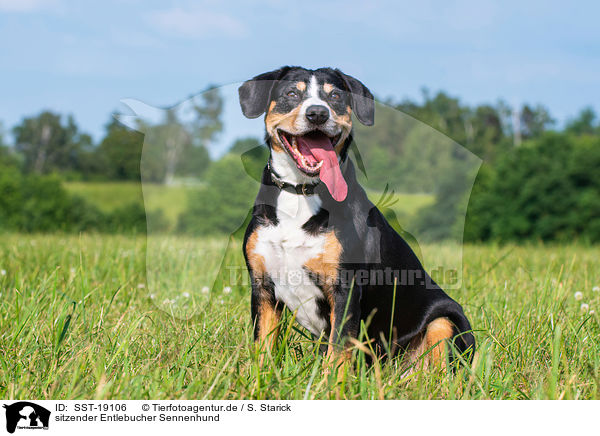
(317, 114)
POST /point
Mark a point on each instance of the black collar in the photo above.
(302, 189)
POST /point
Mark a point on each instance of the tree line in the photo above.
(537, 181)
(50, 143)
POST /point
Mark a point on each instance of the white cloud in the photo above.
(26, 5)
(197, 23)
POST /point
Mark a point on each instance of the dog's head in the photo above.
(308, 121)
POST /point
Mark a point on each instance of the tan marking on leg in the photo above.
(436, 334)
(268, 320)
(268, 316)
(326, 263)
(337, 359)
(268, 328)
(325, 268)
(438, 331)
(256, 261)
(330, 349)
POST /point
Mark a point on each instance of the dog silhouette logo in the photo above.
(26, 415)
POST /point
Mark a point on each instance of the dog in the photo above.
(316, 244)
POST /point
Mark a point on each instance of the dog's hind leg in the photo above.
(431, 344)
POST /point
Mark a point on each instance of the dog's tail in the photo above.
(463, 340)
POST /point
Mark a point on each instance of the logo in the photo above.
(26, 415)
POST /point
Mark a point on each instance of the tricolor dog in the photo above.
(317, 245)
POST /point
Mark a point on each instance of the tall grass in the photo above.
(79, 320)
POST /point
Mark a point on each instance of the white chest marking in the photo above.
(286, 248)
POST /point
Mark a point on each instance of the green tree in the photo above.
(7, 156)
(485, 135)
(534, 121)
(480, 129)
(178, 145)
(584, 123)
(207, 123)
(49, 145)
(442, 112)
(254, 156)
(118, 155)
(222, 204)
(544, 190)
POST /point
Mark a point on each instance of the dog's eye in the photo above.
(292, 94)
(335, 95)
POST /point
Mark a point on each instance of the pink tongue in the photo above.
(320, 147)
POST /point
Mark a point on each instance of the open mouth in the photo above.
(307, 150)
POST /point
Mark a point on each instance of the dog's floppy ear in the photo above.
(362, 101)
(256, 92)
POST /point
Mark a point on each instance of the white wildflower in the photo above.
(2, 272)
(227, 290)
(152, 296)
(166, 301)
(585, 307)
(141, 286)
(578, 295)
(186, 294)
(205, 290)
(596, 289)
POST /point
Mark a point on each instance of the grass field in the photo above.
(77, 320)
(108, 196)
(172, 200)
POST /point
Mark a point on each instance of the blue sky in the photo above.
(84, 57)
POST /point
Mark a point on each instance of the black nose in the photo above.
(317, 114)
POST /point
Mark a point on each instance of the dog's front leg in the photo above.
(266, 314)
(345, 323)
(265, 310)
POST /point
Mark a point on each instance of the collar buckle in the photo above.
(305, 189)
